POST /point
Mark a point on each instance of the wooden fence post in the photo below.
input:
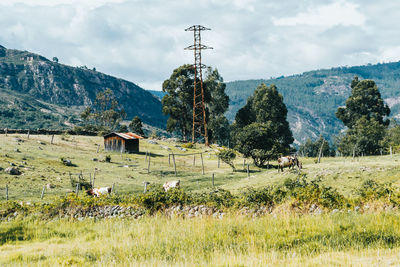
(248, 170)
(52, 138)
(391, 152)
(98, 147)
(7, 192)
(41, 196)
(169, 159)
(320, 151)
(244, 162)
(194, 160)
(145, 186)
(173, 158)
(5, 131)
(77, 189)
(202, 163)
(112, 188)
(218, 162)
(145, 159)
(94, 176)
(28, 133)
(148, 166)
(213, 179)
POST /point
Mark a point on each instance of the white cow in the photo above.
(99, 191)
(171, 184)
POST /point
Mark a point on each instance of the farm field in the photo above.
(40, 164)
(339, 235)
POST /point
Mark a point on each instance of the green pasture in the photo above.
(40, 163)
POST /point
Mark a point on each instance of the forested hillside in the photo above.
(37, 92)
(312, 98)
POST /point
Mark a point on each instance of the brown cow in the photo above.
(288, 161)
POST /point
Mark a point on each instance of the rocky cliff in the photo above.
(24, 74)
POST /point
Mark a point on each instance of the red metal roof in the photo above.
(126, 136)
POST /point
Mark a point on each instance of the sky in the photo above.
(143, 41)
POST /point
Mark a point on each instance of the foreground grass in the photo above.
(339, 239)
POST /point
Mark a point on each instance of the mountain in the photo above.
(158, 94)
(313, 97)
(37, 92)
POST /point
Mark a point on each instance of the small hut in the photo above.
(122, 142)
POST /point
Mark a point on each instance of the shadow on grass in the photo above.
(15, 233)
(144, 153)
(245, 171)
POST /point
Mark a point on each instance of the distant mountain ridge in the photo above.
(313, 97)
(33, 87)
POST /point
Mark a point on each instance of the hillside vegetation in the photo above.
(46, 93)
(341, 211)
(312, 98)
(40, 163)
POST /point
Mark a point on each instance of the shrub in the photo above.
(218, 198)
(371, 190)
(188, 145)
(253, 196)
(312, 192)
(227, 156)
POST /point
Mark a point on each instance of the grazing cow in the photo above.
(285, 162)
(288, 161)
(99, 191)
(171, 184)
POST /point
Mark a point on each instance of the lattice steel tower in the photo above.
(199, 111)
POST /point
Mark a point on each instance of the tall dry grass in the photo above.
(338, 239)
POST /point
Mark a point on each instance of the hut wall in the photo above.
(132, 145)
(114, 143)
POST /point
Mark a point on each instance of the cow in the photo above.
(288, 161)
(98, 191)
(171, 184)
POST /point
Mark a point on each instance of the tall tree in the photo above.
(365, 116)
(178, 102)
(261, 130)
(365, 101)
(312, 149)
(136, 126)
(105, 112)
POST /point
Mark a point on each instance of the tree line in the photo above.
(260, 129)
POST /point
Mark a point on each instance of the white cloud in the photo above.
(143, 41)
(337, 13)
(52, 3)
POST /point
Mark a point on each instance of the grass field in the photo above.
(41, 164)
(281, 238)
(327, 240)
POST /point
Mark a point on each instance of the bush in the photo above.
(188, 145)
(372, 190)
(218, 198)
(311, 193)
(253, 197)
(227, 156)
